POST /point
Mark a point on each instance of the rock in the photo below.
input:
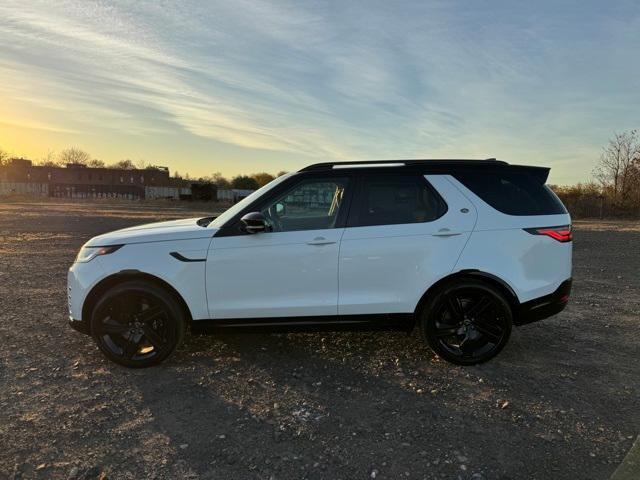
(73, 474)
(184, 445)
(374, 473)
(42, 466)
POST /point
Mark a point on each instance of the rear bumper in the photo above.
(544, 307)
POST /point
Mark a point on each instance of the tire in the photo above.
(467, 322)
(137, 324)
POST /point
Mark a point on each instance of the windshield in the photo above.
(234, 210)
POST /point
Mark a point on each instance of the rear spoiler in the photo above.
(539, 173)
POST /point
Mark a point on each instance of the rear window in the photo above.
(513, 193)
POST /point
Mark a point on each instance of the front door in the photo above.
(290, 270)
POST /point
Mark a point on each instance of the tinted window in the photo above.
(513, 193)
(392, 200)
(309, 205)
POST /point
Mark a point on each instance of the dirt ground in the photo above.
(560, 402)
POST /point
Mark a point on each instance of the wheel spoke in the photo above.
(154, 338)
(113, 328)
(130, 349)
(479, 307)
(122, 307)
(455, 308)
(446, 332)
(492, 332)
(467, 346)
(151, 314)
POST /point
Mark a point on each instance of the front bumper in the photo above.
(79, 325)
(544, 307)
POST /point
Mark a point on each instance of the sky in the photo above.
(244, 86)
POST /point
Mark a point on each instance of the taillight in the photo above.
(561, 234)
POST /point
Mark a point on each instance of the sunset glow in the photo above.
(248, 86)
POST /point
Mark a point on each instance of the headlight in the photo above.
(86, 254)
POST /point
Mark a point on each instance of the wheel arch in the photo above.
(124, 276)
(486, 277)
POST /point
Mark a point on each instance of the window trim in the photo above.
(355, 204)
(232, 227)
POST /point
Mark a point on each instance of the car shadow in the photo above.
(340, 406)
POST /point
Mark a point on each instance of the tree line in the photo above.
(615, 187)
(613, 191)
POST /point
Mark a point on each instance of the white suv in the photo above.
(461, 248)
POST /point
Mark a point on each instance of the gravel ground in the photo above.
(560, 402)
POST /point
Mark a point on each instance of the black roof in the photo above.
(435, 166)
(429, 163)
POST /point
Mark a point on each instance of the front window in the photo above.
(312, 204)
(241, 205)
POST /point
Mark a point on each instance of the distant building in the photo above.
(76, 180)
(79, 181)
(23, 170)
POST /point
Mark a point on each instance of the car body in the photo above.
(354, 245)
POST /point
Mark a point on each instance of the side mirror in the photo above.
(254, 222)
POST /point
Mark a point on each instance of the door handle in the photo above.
(320, 241)
(445, 232)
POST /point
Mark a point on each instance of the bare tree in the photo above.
(95, 163)
(73, 155)
(4, 158)
(262, 178)
(125, 164)
(617, 166)
(244, 182)
(219, 181)
(49, 160)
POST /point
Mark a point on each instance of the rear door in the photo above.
(404, 232)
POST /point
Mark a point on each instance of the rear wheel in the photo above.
(137, 324)
(467, 322)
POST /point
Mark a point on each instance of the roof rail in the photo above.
(399, 163)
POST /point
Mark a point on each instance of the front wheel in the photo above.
(137, 324)
(467, 322)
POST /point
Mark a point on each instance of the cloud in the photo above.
(330, 80)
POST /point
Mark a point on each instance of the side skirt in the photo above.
(396, 321)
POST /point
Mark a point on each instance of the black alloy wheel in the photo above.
(136, 324)
(467, 322)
